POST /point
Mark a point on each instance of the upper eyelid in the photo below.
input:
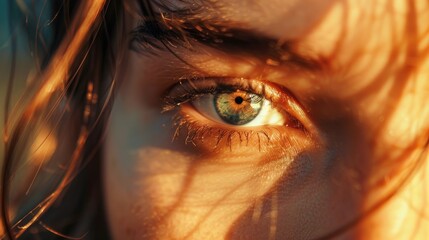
(213, 84)
(280, 95)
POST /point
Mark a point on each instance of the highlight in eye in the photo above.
(240, 108)
(235, 109)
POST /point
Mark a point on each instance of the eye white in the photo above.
(268, 115)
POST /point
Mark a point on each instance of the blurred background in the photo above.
(4, 62)
(12, 31)
(24, 34)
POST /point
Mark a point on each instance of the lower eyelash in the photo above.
(267, 138)
(195, 132)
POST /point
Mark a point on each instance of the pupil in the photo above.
(238, 100)
(237, 108)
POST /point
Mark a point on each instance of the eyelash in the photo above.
(195, 131)
(220, 85)
(191, 90)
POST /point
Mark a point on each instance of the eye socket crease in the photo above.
(182, 30)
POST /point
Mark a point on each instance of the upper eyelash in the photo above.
(194, 130)
(192, 93)
(284, 101)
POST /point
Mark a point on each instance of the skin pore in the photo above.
(355, 126)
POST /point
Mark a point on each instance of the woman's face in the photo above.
(284, 119)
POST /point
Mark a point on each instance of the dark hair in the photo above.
(66, 105)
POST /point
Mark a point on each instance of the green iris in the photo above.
(239, 107)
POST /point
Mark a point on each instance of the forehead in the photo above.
(325, 27)
(354, 34)
(364, 41)
(296, 18)
(278, 18)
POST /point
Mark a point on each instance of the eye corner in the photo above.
(280, 116)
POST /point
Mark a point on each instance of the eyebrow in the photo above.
(159, 34)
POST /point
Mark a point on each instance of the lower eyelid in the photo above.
(207, 135)
(212, 136)
(279, 96)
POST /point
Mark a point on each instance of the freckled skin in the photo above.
(367, 107)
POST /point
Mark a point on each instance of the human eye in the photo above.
(214, 113)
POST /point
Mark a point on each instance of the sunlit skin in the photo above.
(364, 116)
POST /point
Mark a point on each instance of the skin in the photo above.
(365, 115)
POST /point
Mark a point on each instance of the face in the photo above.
(281, 120)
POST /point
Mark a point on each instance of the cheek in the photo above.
(134, 184)
(163, 196)
(156, 189)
